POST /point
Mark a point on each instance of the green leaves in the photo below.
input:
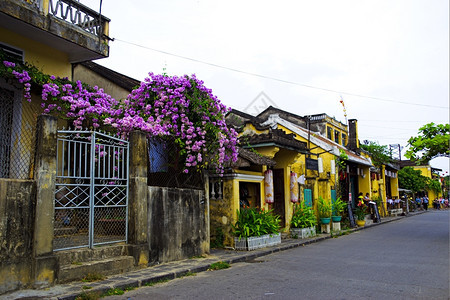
(338, 207)
(255, 222)
(433, 140)
(324, 208)
(379, 154)
(303, 216)
(411, 179)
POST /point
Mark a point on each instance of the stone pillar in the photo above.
(44, 261)
(137, 199)
(336, 226)
(325, 228)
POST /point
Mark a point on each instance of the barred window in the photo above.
(329, 133)
(17, 130)
(6, 120)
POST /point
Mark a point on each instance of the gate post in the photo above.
(44, 261)
(137, 198)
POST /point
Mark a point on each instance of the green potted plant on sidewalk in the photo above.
(303, 222)
(256, 228)
(324, 210)
(338, 208)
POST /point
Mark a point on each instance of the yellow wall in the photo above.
(85, 75)
(46, 59)
(426, 171)
(320, 183)
(364, 183)
(394, 186)
(223, 212)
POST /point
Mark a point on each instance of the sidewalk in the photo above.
(172, 270)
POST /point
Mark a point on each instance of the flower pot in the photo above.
(256, 242)
(325, 220)
(336, 218)
(360, 223)
(303, 233)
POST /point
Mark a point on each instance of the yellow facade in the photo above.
(46, 59)
(321, 183)
(336, 132)
(223, 212)
(426, 171)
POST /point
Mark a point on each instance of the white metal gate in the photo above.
(91, 196)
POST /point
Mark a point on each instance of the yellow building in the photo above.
(302, 157)
(262, 149)
(427, 171)
(326, 180)
(51, 36)
(42, 35)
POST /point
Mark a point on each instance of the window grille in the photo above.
(17, 135)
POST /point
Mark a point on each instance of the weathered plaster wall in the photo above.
(177, 223)
(223, 212)
(16, 233)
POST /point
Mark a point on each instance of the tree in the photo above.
(379, 154)
(433, 140)
(411, 179)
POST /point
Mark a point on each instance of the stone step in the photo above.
(109, 266)
(84, 255)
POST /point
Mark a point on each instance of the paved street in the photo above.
(406, 259)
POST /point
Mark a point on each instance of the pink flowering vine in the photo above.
(183, 109)
(177, 108)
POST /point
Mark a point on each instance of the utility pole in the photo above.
(396, 151)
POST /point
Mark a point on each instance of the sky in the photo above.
(388, 60)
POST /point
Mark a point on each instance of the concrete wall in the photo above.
(17, 201)
(166, 224)
(178, 223)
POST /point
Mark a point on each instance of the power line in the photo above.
(276, 79)
(396, 121)
(363, 125)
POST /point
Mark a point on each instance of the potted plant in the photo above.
(324, 210)
(338, 209)
(303, 222)
(256, 228)
(360, 212)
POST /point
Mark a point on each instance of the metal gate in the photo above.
(91, 196)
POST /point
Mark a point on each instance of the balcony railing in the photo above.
(75, 13)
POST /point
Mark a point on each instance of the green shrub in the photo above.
(303, 216)
(255, 222)
(324, 208)
(338, 207)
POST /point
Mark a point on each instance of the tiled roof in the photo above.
(255, 158)
(121, 80)
(277, 137)
(352, 156)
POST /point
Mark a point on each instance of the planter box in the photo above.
(256, 242)
(303, 233)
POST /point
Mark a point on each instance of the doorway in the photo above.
(278, 191)
(249, 194)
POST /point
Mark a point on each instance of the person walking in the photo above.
(425, 203)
